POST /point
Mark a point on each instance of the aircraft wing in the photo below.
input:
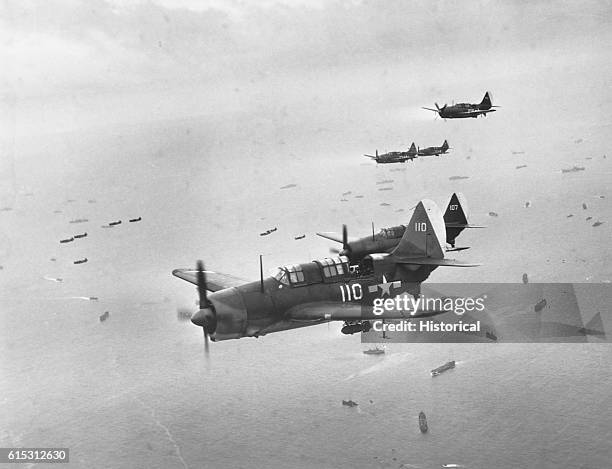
(215, 281)
(436, 262)
(567, 312)
(510, 313)
(477, 112)
(323, 311)
(333, 236)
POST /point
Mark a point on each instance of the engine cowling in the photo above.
(231, 315)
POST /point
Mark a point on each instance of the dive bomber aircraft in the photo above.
(433, 151)
(395, 156)
(455, 221)
(329, 289)
(463, 110)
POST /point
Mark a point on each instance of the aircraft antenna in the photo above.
(261, 283)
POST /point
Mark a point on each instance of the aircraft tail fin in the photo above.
(455, 217)
(457, 210)
(486, 102)
(445, 146)
(412, 150)
(423, 234)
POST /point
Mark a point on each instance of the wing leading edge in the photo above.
(215, 281)
(323, 311)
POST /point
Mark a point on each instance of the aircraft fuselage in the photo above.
(246, 311)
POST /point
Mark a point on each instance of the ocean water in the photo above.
(137, 391)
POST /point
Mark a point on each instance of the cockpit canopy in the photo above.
(334, 266)
(393, 232)
(318, 271)
(295, 272)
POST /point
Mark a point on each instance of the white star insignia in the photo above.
(385, 287)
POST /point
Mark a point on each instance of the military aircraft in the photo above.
(463, 110)
(329, 289)
(395, 156)
(455, 221)
(433, 151)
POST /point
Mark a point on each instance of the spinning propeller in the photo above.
(440, 109)
(205, 317)
(346, 247)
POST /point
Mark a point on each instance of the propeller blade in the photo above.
(334, 250)
(201, 278)
(344, 238)
(206, 316)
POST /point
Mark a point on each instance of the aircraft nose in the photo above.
(199, 318)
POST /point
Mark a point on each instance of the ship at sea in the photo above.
(575, 169)
(441, 369)
(267, 232)
(374, 351)
(423, 422)
(539, 306)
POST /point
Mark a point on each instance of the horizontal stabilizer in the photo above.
(462, 248)
(432, 261)
(460, 225)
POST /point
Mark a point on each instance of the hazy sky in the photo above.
(67, 56)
